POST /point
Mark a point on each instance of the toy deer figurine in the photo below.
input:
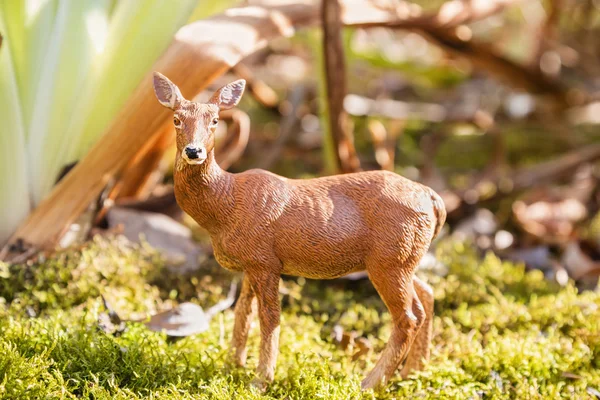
(266, 225)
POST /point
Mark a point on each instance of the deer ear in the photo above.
(167, 92)
(229, 95)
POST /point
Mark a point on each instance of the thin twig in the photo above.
(236, 140)
(450, 15)
(360, 106)
(335, 73)
(384, 147)
(547, 31)
(536, 175)
(288, 125)
(484, 56)
(439, 28)
(224, 304)
(261, 92)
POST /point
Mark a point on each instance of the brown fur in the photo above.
(266, 225)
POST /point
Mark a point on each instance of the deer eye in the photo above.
(215, 121)
(176, 122)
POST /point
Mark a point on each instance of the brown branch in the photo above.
(484, 56)
(289, 122)
(553, 169)
(385, 149)
(360, 106)
(236, 140)
(439, 28)
(335, 76)
(144, 171)
(529, 177)
(261, 92)
(547, 32)
(450, 15)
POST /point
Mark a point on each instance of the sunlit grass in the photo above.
(499, 333)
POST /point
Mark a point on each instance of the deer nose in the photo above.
(193, 153)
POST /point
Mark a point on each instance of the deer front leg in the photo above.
(266, 287)
(245, 311)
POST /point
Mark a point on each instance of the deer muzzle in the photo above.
(194, 155)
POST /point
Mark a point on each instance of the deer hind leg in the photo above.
(419, 351)
(395, 286)
(266, 287)
(245, 311)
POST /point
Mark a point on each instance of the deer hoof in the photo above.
(238, 358)
(259, 384)
(372, 382)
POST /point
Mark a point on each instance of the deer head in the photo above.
(195, 123)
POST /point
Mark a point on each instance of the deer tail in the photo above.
(439, 209)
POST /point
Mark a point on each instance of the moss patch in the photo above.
(500, 332)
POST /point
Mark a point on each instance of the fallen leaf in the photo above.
(578, 263)
(188, 318)
(593, 392)
(364, 347)
(570, 375)
(549, 216)
(183, 320)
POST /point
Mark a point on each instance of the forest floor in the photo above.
(499, 332)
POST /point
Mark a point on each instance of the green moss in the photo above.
(500, 332)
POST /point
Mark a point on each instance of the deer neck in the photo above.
(205, 192)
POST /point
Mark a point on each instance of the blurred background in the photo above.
(494, 104)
